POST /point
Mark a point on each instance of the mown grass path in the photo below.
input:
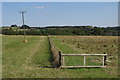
(19, 57)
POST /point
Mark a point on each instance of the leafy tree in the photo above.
(14, 25)
(25, 27)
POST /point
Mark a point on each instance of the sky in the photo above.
(0, 14)
(40, 14)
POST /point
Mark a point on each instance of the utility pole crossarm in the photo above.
(22, 12)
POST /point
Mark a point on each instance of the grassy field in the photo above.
(34, 59)
(89, 45)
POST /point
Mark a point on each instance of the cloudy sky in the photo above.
(61, 13)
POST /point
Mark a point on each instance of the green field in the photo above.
(89, 45)
(34, 58)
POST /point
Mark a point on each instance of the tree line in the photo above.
(61, 30)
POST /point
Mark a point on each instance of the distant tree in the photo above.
(13, 25)
(25, 27)
(76, 31)
(98, 31)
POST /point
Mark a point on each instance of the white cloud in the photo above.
(39, 7)
(42, 7)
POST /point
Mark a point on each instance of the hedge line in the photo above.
(56, 54)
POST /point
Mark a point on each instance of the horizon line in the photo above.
(63, 25)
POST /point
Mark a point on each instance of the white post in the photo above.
(84, 60)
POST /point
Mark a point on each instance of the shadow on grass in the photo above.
(50, 59)
(45, 66)
(84, 68)
(51, 55)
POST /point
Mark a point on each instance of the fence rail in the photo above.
(84, 60)
(84, 54)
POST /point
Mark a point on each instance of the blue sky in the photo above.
(0, 14)
(61, 13)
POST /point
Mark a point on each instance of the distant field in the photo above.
(34, 59)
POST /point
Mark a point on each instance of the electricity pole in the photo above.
(22, 12)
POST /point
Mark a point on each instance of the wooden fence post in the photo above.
(59, 58)
(105, 57)
(62, 60)
(103, 61)
(84, 60)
